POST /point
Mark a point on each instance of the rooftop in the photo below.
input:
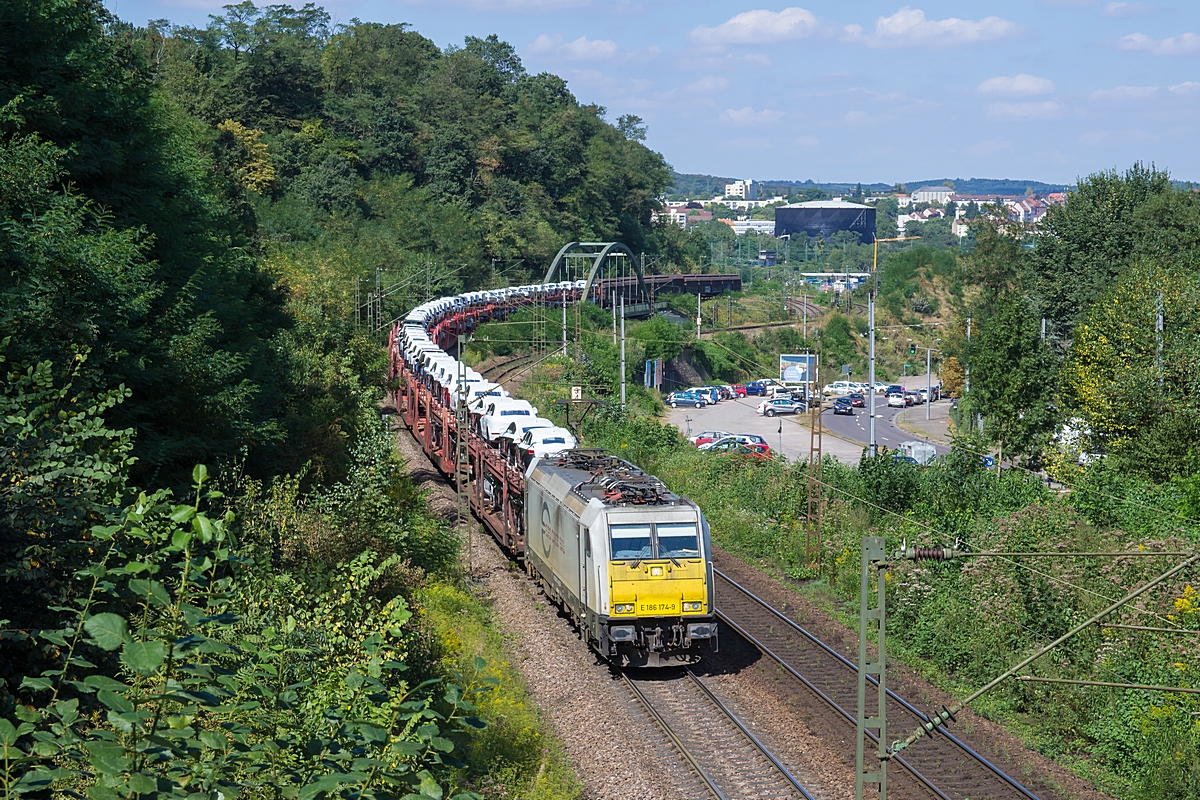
(824, 204)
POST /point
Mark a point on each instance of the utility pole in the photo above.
(697, 316)
(928, 380)
(622, 352)
(1043, 329)
(1158, 336)
(872, 447)
(804, 304)
(564, 323)
(614, 313)
(967, 369)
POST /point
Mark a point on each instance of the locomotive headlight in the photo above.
(656, 572)
(623, 608)
(692, 606)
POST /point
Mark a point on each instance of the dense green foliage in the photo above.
(184, 214)
(1099, 270)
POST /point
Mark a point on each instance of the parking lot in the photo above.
(784, 434)
(845, 436)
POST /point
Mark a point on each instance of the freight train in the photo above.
(625, 558)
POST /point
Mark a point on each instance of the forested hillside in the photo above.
(186, 213)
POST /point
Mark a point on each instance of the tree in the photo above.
(1137, 405)
(1013, 378)
(1085, 245)
(952, 375)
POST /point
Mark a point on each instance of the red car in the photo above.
(704, 437)
(739, 389)
(858, 401)
(733, 448)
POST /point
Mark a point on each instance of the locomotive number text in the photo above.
(648, 607)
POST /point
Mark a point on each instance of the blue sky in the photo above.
(835, 91)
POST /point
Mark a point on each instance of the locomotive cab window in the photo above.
(630, 542)
(677, 540)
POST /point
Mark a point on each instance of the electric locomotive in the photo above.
(628, 559)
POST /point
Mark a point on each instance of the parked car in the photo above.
(756, 388)
(739, 389)
(738, 449)
(704, 437)
(895, 400)
(843, 405)
(709, 393)
(857, 400)
(677, 399)
(838, 387)
(775, 406)
(747, 439)
(914, 398)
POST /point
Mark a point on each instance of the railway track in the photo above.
(729, 760)
(940, 766)
(503, 371)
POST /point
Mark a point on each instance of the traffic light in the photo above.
(912, 349)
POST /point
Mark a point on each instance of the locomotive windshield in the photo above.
(678, 540)
(630, 542)
(663, 540)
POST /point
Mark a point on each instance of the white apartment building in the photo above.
(746, 190)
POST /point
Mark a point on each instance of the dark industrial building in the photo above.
(824, 218)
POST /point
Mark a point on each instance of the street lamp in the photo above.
(872, 448)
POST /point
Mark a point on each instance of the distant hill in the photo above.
(992, 186)
(693, 185)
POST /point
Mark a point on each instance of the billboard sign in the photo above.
(797, 367)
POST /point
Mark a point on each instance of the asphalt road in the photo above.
(786, 435)
(887, 432)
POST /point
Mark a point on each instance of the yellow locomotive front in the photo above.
(660, 600)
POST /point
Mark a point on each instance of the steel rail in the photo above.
(753, 739)
(679, 745)
(916, 773)
(851, 665)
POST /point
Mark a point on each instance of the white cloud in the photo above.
(807, 141)
(707, 84)
(1023, 84)
(758, 27)
(1171, 46)
(1125, 93)
(748, 116)
(582, 49)
(856, 117)
(908, 27)
(1126, 9)
(1187, 87)
(1031, 110)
